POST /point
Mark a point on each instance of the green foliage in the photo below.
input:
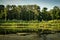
(14, 27)
(28, 12)
(55, 12)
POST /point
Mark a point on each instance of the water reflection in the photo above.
(32, 36)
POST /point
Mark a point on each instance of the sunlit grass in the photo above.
(30, 26)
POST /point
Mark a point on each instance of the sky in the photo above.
(42, 3)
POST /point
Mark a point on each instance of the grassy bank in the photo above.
(28, 26)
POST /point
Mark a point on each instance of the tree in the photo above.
(2, 11)
(55, 12)
(26, 14)
(45, 14)
(12, 13)
(2, 8)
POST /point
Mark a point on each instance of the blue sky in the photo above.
(42, 3)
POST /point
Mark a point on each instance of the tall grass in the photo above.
(28, 26)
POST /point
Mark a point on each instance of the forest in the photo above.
(28, 12)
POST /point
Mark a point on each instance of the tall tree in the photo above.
(2, 11)
(45, 14)
(55, 12)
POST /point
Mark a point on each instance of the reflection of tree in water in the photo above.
(43, 36)
(47, 36)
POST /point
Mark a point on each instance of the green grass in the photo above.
(28, 26)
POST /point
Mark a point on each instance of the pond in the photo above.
(30, 36)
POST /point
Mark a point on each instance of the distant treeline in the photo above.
(28, 12)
